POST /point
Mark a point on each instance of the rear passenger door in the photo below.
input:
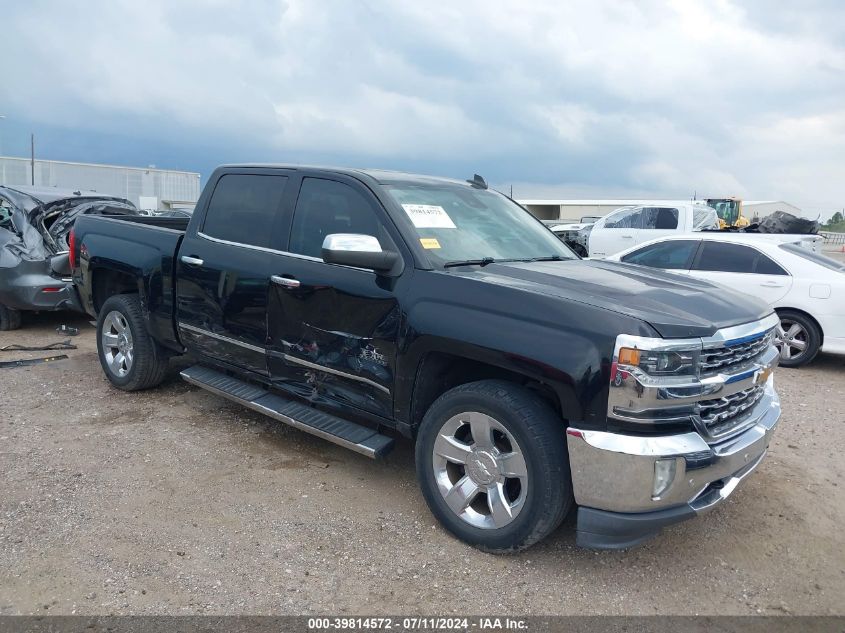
(659, 222)
(333, 329)
(742, 268)
(224, 267)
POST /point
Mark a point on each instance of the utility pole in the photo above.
(32, 156)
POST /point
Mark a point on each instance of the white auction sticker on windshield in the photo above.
(429, 216)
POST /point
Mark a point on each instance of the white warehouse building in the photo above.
(148, 188)
(574, 210)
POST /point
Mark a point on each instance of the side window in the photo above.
(661, 218)
(735, 258)
(627, 218)
(767, 266)
(244, 207)
(673, 255)
(325, 207)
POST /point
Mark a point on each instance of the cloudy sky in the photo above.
(579, 98)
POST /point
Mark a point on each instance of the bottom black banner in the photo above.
(324, 623)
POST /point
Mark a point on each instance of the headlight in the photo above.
(660, 363)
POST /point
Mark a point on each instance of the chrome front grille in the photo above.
(722, 415)
(736, 356)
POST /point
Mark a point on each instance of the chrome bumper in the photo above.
(615, 472)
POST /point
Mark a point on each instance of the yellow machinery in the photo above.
(729, 211)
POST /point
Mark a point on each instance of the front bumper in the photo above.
(613, 476)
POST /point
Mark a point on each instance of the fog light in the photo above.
(664, 475)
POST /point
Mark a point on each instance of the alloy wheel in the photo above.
(480, 470)
(791, 339)
(118, 349)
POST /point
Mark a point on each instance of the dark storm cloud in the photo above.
(658, 98)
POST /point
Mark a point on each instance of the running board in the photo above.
(356, 437)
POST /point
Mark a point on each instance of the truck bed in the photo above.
(176, 224)
(142, 249)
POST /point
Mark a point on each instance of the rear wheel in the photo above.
(10, 319)
(130, 358)
(797, 337)
(493, 467)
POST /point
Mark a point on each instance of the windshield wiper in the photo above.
(489, 260)
(549, 258)
(470, 262)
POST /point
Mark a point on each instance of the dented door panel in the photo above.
(333, 338)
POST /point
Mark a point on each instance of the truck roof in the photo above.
(381, 176)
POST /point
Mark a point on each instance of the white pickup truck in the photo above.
(629, 226)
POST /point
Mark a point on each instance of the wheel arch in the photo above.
(438, 370)
(107, 282)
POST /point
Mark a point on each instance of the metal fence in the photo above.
(832, 241)
(170, 188)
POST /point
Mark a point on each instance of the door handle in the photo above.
(191, 261)
(286, 282)
(627, 237)
(771, 284)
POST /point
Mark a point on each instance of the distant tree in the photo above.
(836, 223)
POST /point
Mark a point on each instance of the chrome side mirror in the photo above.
(359, 251)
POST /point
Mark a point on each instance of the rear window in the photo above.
(821, 260)
(244, 208)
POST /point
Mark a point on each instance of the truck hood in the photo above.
(675, 305)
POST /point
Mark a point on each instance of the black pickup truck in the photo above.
(359, 305)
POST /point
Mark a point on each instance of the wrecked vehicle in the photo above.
(575, 235)
(359, 305)
(34, 227)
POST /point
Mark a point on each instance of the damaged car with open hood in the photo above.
(35, 227)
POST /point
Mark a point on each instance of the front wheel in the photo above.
(493, 467)
(130, 358)
(797, 337)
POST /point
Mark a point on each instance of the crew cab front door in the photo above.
(333, 330)
(616, 232)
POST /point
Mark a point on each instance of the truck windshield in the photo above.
(458, 224)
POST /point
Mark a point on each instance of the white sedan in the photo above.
(806, 289)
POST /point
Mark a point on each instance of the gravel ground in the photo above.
(174, 501)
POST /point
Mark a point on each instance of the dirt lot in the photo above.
(174, 501)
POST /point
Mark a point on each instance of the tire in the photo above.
(798, 338)
(518, 423)
(10, 319)
(132, 361)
